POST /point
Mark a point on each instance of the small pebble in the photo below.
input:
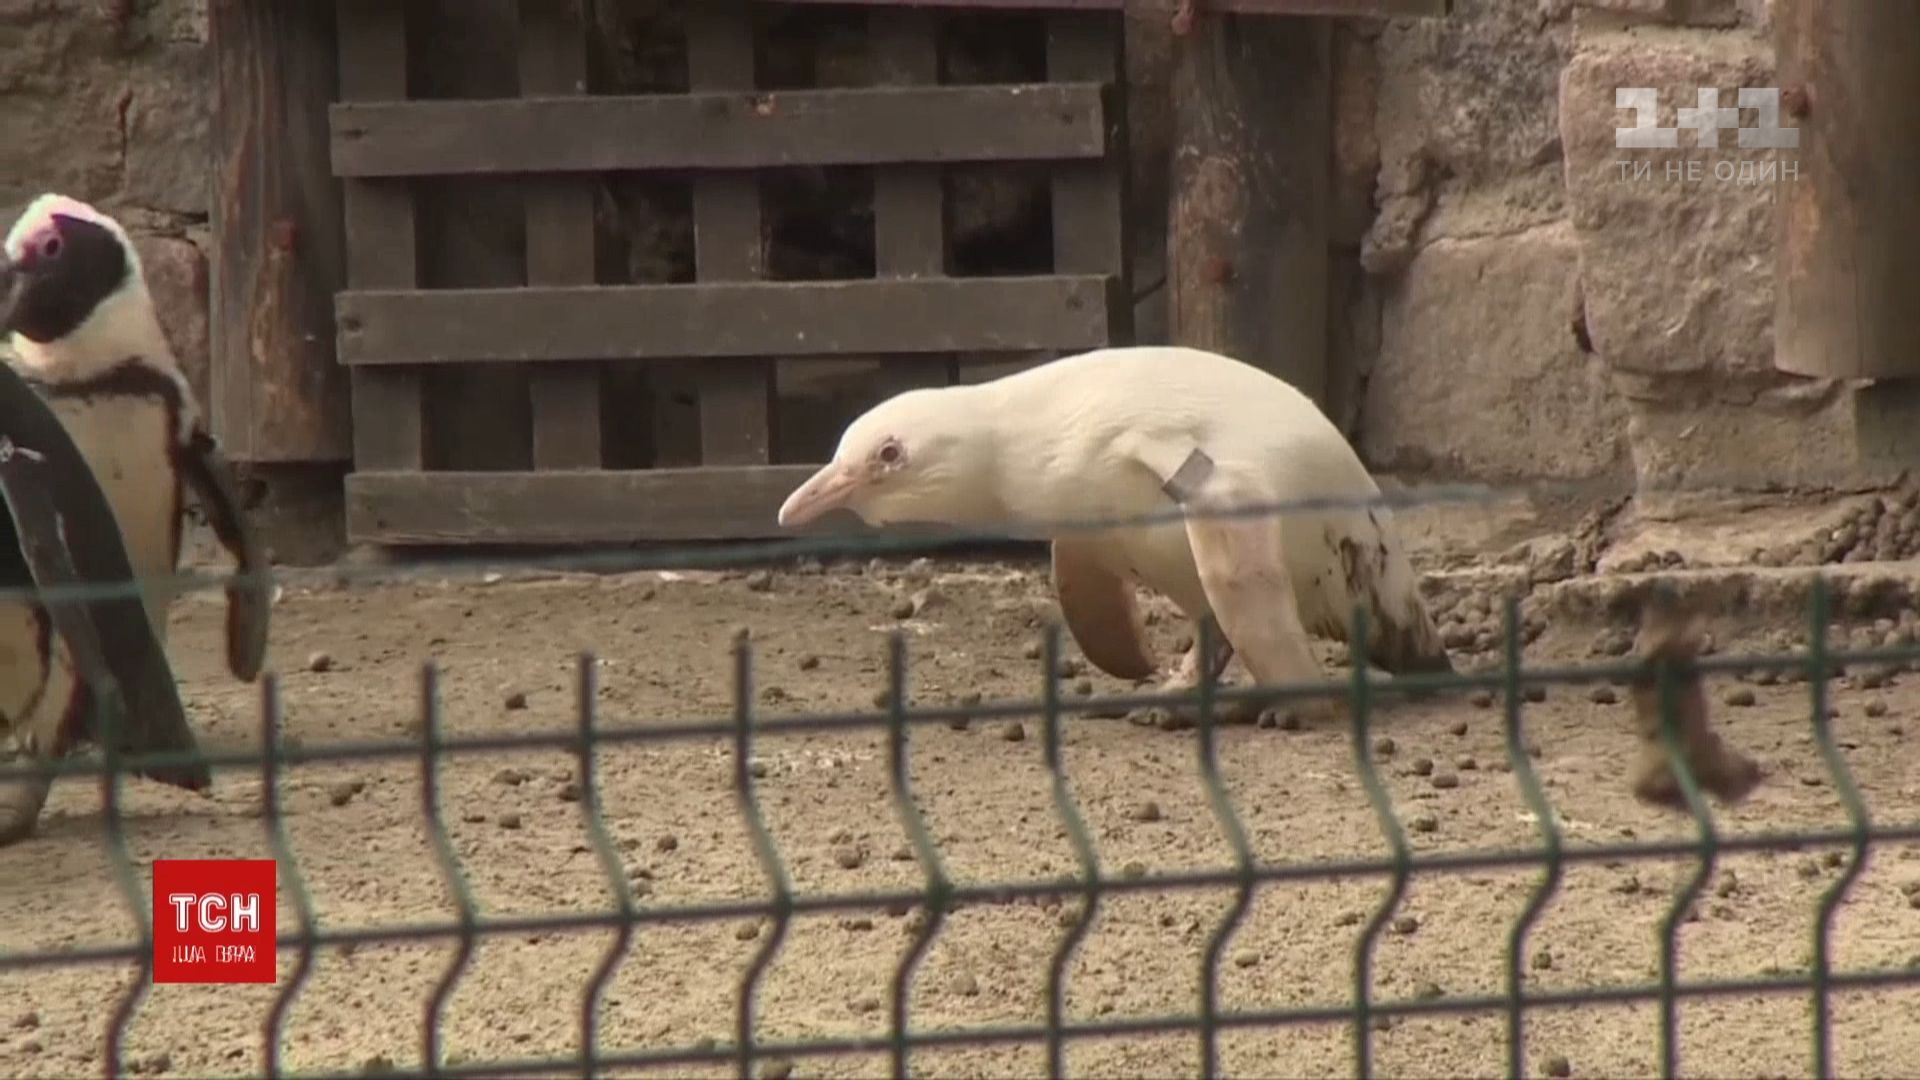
(342, 793)
(1559, 1066)
(569, 792)
(1466, 763)
(902, 608)
(809, 662)
(1876, 707)
(760, 581)
(1245, 958)
(965, 984)
(27, 1021)
(857, 924)
(1834, 859)
(1069, 667)
(1032, 651)
(517, 700)
(1602, 695)
(747, 931)
(882, 698)
(1083, 687)
(777, 1069)
(1481, 699)
(1014, 732)
(1423, 823)
(1146, 811)
(1739, 697)
(668, 842)
(1809, 869)
(1729, 885)
(1384, 746)
(1445, 781)
(848, 857)
(319, 661)
(867, 1005)
(511, 777)
(509, 820)
(1428, 991)
(757, 769)
(903, 853)
(1543, 961)
(1405, 924)
(1133, 871)
(1535, 694)
(1422, 766)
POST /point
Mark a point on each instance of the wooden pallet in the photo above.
(729, 323)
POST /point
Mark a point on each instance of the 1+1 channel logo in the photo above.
(213, 920)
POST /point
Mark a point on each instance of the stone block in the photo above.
(61, 90)
(169, 166)
(1478, 372)
(176, 274)
(1675, 249)
(1474, 92)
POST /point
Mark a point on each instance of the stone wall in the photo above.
(106, 100)
(1545, 315)
(1515, 309)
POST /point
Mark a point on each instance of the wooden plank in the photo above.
(1089, 204)
(1252, 194)
(736, 395)
(719, 130)
(388, 428)
(909, 203)
(1351, 9)
(276, 394)
(1848, 223)
(472, 234)
(581, 506)
(718, 321)
(560, 239)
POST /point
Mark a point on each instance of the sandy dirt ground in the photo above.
(508, 653)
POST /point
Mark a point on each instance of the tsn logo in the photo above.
(213, 920)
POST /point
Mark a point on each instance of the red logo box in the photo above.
(213, 920)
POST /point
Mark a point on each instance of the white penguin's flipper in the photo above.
(1099, 610)
(249, 599)
(1243, 568)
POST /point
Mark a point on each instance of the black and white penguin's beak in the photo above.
(13, 283)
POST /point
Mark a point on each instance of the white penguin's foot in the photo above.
(21, 799)
(1187, 677)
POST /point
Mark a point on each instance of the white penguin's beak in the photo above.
(829, 489)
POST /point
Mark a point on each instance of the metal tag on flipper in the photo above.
(1185, 482)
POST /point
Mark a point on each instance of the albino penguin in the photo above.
(1129, 432)
(85, 337)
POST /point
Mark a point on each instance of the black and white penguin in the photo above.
(86, 337)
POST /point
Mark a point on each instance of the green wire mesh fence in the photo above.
(781, 903)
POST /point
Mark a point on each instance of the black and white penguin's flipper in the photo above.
(61, 657)
(43, 546)
(250, 596)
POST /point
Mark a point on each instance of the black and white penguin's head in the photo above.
(72, 293)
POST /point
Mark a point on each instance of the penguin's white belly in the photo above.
(127, 441)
